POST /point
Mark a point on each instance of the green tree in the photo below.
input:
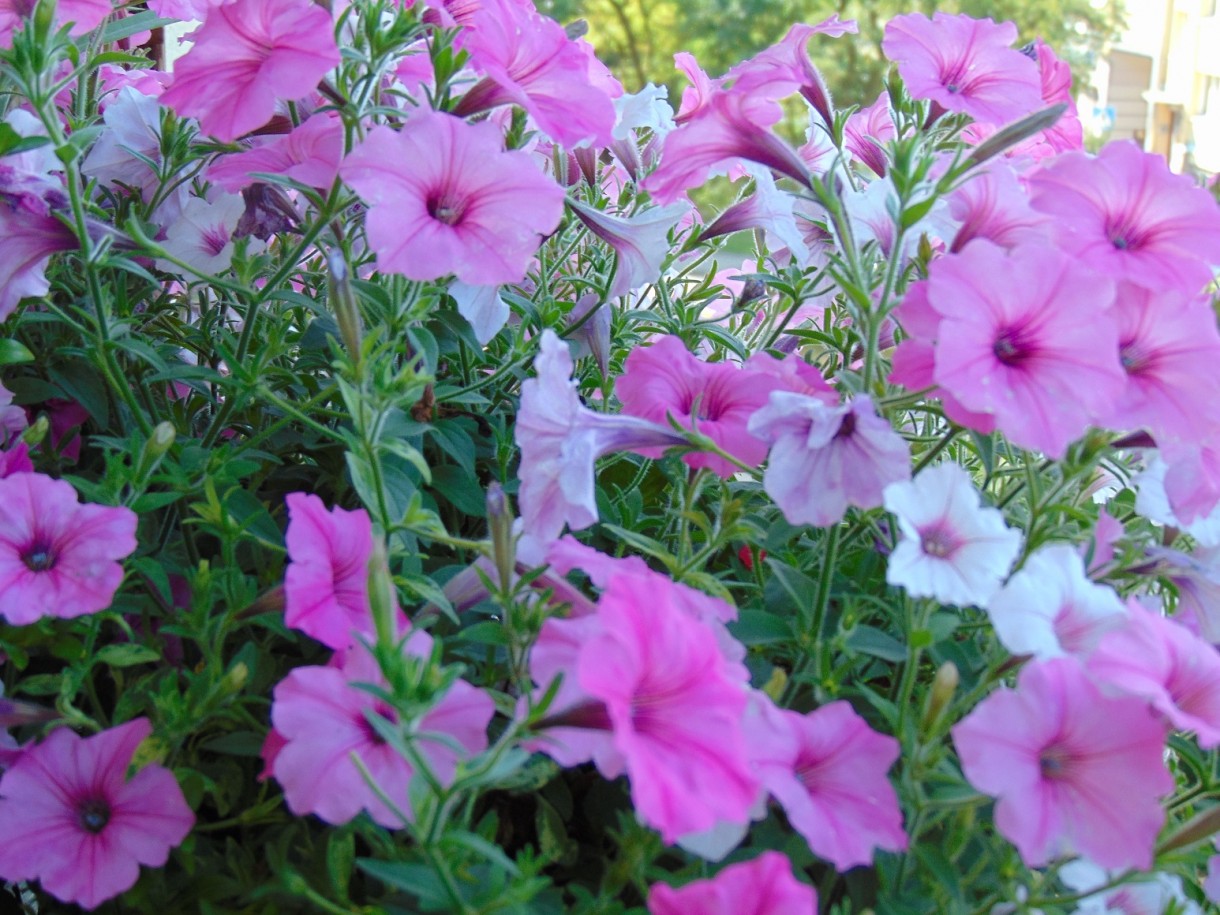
(638, 38)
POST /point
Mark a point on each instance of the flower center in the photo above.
(446, 209)
(847, 427)
(1009, 348)
(214, 240)
(39, 557)
(1053, 763)
(93, 815)
(938, 541)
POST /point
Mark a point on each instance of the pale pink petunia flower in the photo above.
(86, 828)
(326, 591)
(825, 458)
(951, 547)
(675, 706)
(762, 886)
(1194, 512)
(1025, 336)
(1147, 894)
(914, 361)
(320, 716)
(1074, 771)
(560, 439)
(27, 241)
(84, 15)
(201, 233)
(718, 399)
(964, 64)
(992, 204)
(529, 61)
(640, 241)
(247, 55)
(1067, 133)
(1169, 347)
(1124, 215)
(767, 208)
(732, 127)
(309, 154)
(867, 132)
(132, 136)
(447, 198)
(1051, 608)
(57, 557)
(828, 770)
(1164, 662)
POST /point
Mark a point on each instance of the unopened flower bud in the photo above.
(500, 526)
(161, 440)
(343, 303)
(37, 431)
(944, 685)
(382, 602)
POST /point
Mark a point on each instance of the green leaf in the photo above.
(871, 641)
(119, 29)
(485, 633)
(416, 879)
(126, 655)
(757, 627)
(13, 352)
(460, 489)
(12, 143)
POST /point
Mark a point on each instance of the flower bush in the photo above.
(411, 501)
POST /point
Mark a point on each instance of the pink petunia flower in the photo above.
(762, 886)
(1025, 337)
(824, 458)
(1056, 76)
(1073, 770)
(665, 379)
(951, 547)
(868, 130)
(321, 718)
(309, 154)
(1169, 346)
(446, 198)
(27, 241)
(731, 127)
(57, 557)
(15, 459)
(84, 15)
(1050, 608)
(1124, 215)
(529, 61)
(247, 55)
(1162, 661)
(560, 439)
(914, 363)
(993, 205)
(964, 65)
(85, 828)
(675, 706)
(640, 242)
(830, 776)
(132, 136)
(326, 585)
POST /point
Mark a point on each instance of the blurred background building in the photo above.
(1159, 83)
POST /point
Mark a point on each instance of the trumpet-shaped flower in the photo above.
(993, 205)
(530, 61)
(57, 557)
(1124, 215)
(1074, 771)
(675, 707)
(309, 154)
(326, 585)
(718, 399)
(951, 547)
(641, 242)
(83, 15)
(446, 198)
(1169, 346)
(560, 438)
(731, 127)
(824, 458)
(762, 886)
(247, 55)
(321, 719)
(1050, 608)
(1025, 336)
(1162, 661)
(964, 64)
(828, 770)
(84, 827)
